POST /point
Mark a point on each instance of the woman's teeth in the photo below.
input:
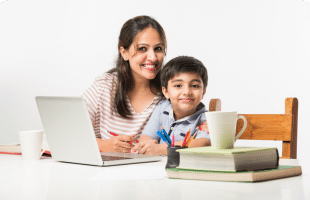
(149, 67)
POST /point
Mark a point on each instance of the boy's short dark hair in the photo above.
(183, 64)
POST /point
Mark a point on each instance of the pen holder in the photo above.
(173, 157)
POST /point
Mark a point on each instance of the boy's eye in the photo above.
(195, 86)
(177, 86)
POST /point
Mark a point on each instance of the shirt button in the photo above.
(171, 128)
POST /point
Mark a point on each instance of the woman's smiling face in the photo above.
(145, 54)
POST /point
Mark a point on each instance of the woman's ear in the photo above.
(124, 53)
(165, 92)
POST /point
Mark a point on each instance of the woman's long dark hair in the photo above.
(125, 82)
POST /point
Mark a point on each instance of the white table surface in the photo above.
(48, 179)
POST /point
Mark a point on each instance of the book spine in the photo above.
(14, 153)
(278, 158)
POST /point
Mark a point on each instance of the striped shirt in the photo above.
(103, 115)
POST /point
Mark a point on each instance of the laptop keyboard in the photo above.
(109, 158)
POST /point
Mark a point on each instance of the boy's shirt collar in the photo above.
(192, 118)
(171, 115)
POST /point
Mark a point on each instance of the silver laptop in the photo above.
(71, 137)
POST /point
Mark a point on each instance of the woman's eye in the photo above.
(158, 49)
(142, 49)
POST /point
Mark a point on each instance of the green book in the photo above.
(249, 176)
(236, 159)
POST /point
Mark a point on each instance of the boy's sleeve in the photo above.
(153, 125)
(202, 134)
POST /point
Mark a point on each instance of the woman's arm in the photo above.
(91, 95)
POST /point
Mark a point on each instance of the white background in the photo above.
(257, 53)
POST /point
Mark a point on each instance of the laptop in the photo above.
(70, 134)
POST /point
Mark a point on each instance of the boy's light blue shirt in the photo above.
(163, 115)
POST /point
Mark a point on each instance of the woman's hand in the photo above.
(122, 143)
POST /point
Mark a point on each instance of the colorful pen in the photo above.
(160, 134)
(185, 138)
(165, 134)
(191, 139)
(196, 130)
(114, 134)
(188, 137)
(172, 143)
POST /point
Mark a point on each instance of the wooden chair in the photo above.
(279, 127)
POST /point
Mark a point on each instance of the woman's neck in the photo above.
(141, 84)
(141, 95)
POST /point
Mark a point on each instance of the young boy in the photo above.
(184, 80)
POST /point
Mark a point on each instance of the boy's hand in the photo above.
(144, 139)
(141, 144)
(154, 149)
(150, 147)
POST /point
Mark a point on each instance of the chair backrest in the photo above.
(279, 127)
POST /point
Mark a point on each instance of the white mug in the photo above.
(222, 128)
(30, 144)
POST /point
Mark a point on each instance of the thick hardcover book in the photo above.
(236, 159)
(249, 176)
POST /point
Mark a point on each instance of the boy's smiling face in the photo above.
(185, 91)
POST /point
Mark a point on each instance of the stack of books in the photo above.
(244, 164)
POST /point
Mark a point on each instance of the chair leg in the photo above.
(289, 148)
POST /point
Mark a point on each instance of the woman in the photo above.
(121, 101)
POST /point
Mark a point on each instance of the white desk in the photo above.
(47, 179)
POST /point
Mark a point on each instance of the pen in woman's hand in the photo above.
(114, 134)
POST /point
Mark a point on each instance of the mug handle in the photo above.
(44, 149)
(244, 126)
